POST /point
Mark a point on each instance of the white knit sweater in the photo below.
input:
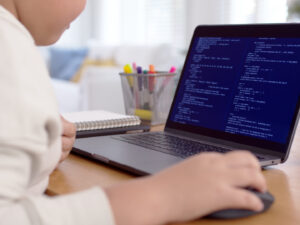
(30, 143)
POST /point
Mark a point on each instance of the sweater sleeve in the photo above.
(87, 208)
(18, 206)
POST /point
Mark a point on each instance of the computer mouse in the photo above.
(266, 198)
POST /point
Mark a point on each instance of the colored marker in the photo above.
(140, 80)
(151, 69)
(128, 70)
(134, 67)
(146, 90)
(173, 69)
(144, 114)
(139, 69)
(139, 77)
(166, 81)
(151, 78)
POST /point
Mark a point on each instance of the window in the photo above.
(145, 22)
(258, 11)
(149, 22)
(115, 22)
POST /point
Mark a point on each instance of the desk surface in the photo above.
(77, 173)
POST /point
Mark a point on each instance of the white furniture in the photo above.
(101, 89)
(67, 94)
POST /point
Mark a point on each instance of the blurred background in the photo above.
(85, 62)
(115, 22)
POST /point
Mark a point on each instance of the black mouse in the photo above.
(266, 198)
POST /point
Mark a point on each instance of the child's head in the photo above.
(45, 19)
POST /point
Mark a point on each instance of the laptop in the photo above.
(239, 89)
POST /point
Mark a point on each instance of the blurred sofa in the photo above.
(94, 82)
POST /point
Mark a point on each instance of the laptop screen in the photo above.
(240, 88)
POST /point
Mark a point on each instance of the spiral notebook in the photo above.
(101, 122)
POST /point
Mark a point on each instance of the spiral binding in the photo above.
(106, 124)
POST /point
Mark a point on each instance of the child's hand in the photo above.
(68, 138)
(194, 188)
(211, 182)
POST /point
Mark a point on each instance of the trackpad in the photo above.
(128, 156)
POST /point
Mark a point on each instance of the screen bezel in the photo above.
(250, 30)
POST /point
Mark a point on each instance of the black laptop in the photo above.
(239, 89)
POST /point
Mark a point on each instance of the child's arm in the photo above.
(187, 191)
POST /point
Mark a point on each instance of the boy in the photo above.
(30, 144)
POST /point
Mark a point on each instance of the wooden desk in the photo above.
(283, 180)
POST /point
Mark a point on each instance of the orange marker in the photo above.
(151, 69)
(151, 78)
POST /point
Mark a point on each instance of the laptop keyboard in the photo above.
(169, 144)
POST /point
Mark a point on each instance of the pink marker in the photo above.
(167, 79)
(134, 67)
(173, 69)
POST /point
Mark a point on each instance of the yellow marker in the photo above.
(127, 69)
(143, 114)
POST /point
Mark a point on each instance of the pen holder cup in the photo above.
(148, 96)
